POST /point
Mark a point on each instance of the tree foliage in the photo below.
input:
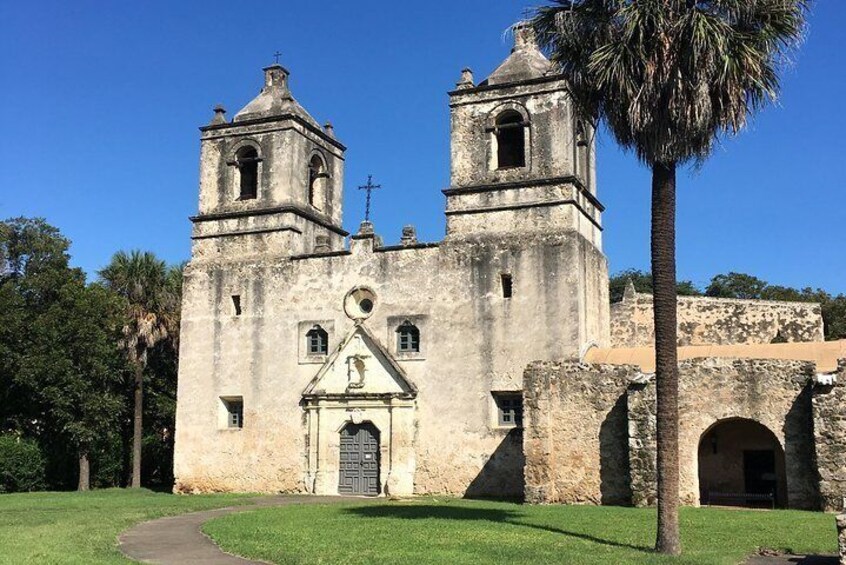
(22, 465)
(642, 282)
(63, 375)
(669, 77)
(152, 295)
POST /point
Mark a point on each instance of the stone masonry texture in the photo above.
(579, 418)
(717, 321)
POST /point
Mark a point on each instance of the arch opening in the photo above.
(582, 153)
(510, 140)
(741, 463)
(247, 161)
(317, 180)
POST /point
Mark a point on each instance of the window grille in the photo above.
(234, 413)
(509, 409)
(408, 338)
(318, 341)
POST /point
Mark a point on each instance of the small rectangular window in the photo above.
(507, 285)
(234, 412)
(236, 304)
(509, 409)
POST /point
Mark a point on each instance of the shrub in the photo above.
(21, 464)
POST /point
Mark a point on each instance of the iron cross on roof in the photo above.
(369, 187)
(276, 57)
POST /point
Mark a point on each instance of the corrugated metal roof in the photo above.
(824, 353)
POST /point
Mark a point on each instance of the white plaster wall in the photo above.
(475, 341)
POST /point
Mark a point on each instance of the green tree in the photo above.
(668, 78)
(60, 360)
(160, 394)
(141, 279)
(33, 264)
(72, 368)
(736, 285)
(642, 282)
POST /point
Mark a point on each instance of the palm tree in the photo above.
(142, 280)
(668, 78)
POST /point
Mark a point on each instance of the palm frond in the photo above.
(670, 77)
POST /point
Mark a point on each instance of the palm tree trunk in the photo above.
(137, 425)
(84, 471)
(666, 354)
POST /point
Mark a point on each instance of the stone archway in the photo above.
(741, 463)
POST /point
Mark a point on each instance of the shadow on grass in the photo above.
(496, 515)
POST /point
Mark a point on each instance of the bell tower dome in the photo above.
(520, 161)
(271, 179)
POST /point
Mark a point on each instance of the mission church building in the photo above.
(309, 364)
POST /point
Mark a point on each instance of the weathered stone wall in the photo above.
(474, 342)
(841, 531)
(580, 419)
(575, 433)
(774, 393)
(717, 321)
(829, 403)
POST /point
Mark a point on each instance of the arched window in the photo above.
(408, 338)
(247, 160)
(582, 153)
(317, 179)
(318, 341)
(510, 140)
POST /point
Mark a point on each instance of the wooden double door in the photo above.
(359, 461)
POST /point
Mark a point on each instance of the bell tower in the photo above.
(271, 179)
(520, 160)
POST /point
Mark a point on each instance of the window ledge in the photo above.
(498, 428)
(313, 359)
(416, 356)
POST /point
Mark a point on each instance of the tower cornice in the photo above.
(270, 119)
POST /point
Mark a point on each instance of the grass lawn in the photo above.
(77, 528)
(459, 531)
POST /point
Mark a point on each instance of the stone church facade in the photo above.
(316, 365)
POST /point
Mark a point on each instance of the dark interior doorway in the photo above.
(741, 463)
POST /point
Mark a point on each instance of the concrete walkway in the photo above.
(178, 540)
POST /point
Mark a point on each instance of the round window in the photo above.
(359, 303)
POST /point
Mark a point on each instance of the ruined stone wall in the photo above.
(774, 393)
(841, 531)
(474, 342)
(576, 433)
(829, 403)
(590, 429)
(717, 321)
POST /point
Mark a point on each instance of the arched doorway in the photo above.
(741, 463)
(359, 460)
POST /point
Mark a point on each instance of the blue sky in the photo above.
(102, 101)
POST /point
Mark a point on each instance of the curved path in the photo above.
(178, 540)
